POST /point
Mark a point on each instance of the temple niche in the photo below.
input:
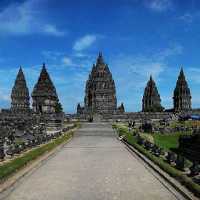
(182, 96)
(100, 92)
(44, 95)
(20, 95)
(151, 101)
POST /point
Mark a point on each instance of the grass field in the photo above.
(188, 124)
(167, 141)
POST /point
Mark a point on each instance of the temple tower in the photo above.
(80, 110)
(100, 93)
(20, 95)
(182, 96)
(121, 109)
(45, 99)
(151, 101)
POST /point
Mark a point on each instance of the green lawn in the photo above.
(167, 141)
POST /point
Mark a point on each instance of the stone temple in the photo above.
(151, 101)
(182, 96)
(44, 95)
(100, 92)
(20, 95)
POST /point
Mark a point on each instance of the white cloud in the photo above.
(26, 18)
(159, 5)
(52, 30)
(141, 67)
(174, 49)
(51, 55)
(80, 55)
(84, 42)
(187, 18)
(4, 97)
(67, 61)
(190, 17)
(138, 69)
(194, 74)
(60, 60)
(131, 73)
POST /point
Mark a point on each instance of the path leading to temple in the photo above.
(94, 165)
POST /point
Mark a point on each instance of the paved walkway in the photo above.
(94, 165)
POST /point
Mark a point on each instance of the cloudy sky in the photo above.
(137, 38)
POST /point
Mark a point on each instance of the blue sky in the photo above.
(137, 38)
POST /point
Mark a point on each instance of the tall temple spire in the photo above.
(100, 93)
(44, 94)
(151, 101)
(121, 109)
(182, 96)
(20, 94)
(151, 78)
(182, 72)
(100, 59)
(43, 66)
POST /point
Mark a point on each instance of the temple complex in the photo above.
(20, 95)
(45, 99)
(100, 93)
(100, 99)
(151, 101)
(182, 96)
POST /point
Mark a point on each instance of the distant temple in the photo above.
(182, 96)
(121, 109)
(20, 95)
(100, 101)
(100, 93)
(45, 99)
(151, 101)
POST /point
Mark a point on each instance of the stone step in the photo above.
(95, 129)
(96, 125)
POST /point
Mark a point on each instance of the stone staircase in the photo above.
(96, 129)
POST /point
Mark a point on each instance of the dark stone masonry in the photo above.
(100, 92)
(20, 95)
(23, 127)
(189, 147)
(182, 96)
(45, 98)
(100, 98)
(151, 101)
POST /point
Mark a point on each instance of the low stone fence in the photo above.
(9, 149)
(172, 163)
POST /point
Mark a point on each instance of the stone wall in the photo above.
(136, 116)
(127, 116)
